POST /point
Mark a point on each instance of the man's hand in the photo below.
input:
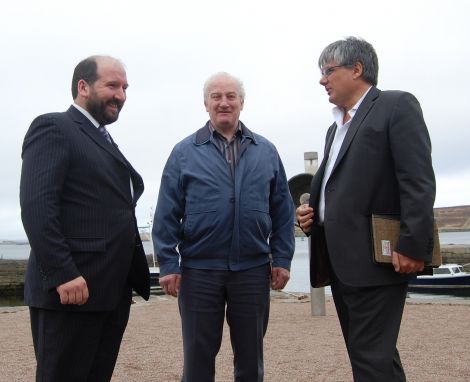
(171, 284)
(73, 292)
(405, 264)
(279, 277)
(304, 215)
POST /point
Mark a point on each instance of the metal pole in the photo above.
(317, 295)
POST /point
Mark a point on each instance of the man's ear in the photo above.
(83, 89)
(358, 70)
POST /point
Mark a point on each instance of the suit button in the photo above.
(232, 200)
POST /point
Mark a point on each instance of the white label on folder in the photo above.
(386, 248)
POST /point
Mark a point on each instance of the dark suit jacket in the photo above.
(384, 167)
(78, 214)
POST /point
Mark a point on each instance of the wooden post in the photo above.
(317, 295)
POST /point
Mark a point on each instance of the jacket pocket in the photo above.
(256, 222)
(201, 215)
(198, 224)
(86, 244)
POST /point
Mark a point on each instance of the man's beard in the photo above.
(97, 109)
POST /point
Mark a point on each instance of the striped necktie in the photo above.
(105, 133)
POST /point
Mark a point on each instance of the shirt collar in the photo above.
(213, 130)
(338, 113)
(204, 134)
(87, 114)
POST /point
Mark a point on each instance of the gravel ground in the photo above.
(434, 343)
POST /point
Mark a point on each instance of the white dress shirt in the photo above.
(341, 130)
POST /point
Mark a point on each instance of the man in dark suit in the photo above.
(377, 161)
(78, 195)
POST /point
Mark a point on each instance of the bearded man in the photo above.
(78, 195)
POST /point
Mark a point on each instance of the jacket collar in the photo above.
(77, 116)
(203, 135)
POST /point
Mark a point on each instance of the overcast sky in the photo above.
(171, 47)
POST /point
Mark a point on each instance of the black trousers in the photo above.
(370, 320)
(78, 346)
(204, 297)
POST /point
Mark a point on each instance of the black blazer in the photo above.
(384, 167)
(79, 214)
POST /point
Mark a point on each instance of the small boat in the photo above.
(447, 279)
(154, 276)
(145, 233)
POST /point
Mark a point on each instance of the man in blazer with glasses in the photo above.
(377, 161)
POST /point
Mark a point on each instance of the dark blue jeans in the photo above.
(204, 297)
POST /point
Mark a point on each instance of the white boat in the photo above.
(446, 279)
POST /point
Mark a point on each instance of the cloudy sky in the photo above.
(171, 47)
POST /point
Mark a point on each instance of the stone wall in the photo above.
(458, 254)
(12, 276)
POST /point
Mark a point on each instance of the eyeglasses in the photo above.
(326, 72)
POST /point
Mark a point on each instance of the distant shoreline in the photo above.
(454, 230)
(16, 242)
(298, 233)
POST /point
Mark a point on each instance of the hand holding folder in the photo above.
(385, 233)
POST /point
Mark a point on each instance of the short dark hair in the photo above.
(87, 70)
(350, 51)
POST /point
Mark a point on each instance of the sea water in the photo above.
(299, 281)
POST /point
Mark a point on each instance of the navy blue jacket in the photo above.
(210, 220)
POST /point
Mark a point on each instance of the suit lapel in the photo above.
(85, 125)
(91, 131)
(137, 181)
(356, 123)
(329, 141)
(318, 177)
(96, 136)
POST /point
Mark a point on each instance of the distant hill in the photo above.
(447, 219)
(453, 218)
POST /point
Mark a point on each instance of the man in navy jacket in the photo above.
(223, 234)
